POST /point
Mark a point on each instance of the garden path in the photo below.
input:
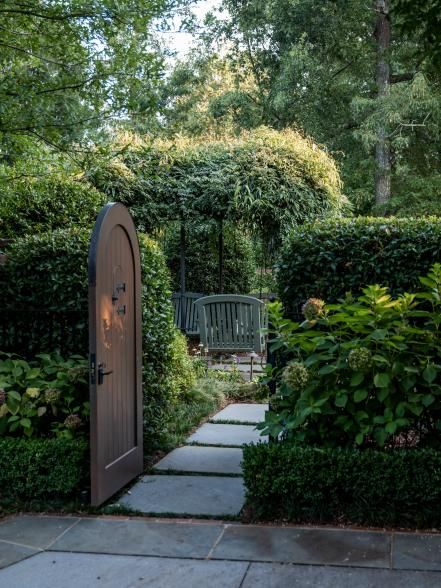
(204, 477)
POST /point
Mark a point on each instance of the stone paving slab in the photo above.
(35, 531)
(228, 435)
(76, 570)
(212, 460)
(11, 553)
(417, 552)
(242, 413)
(128, 537)
(213, 496)
(304, 546)
(294, 576)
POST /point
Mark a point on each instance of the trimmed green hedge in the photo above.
(327, 259)
(42, 468)
(33, 206)
(308, 484)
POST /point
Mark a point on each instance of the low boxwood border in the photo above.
(400, 487)
(42, 468)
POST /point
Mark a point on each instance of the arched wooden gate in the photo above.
(115, 339)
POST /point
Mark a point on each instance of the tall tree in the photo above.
(68, 67)
(334, 68)
(382, 147)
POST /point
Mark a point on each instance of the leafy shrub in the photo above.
(40, 205)
(398, 487)
(202, 259)
(42, 467)
(49, 271)
(363, 371)
(267, 178)
(327, 259)
(182, 369)
(49, 395)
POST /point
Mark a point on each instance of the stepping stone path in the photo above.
(212, 456)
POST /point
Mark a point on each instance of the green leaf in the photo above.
(359, 438)
(360, 395)
(382, 394)
(429, 373)
(381, 380)
(341, 400)
(12, 394)
(391, 427)
(428, 399)
(357, 378)
(327, 369)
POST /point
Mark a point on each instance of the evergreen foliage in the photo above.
(397, 488)
(202, 259)
(326, 260)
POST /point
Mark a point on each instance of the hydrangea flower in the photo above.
(360, 358)
(52, 395)
(296, 375)
(313, 309)
(33, 392)
(72, 422)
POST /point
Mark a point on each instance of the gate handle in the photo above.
(102, 373)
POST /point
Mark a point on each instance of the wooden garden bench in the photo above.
(231, 322)
(191, 326)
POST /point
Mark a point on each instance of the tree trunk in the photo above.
(382, 148)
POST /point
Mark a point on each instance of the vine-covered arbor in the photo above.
(263, 181)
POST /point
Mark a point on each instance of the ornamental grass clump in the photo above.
(365, 371)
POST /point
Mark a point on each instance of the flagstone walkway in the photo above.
(204, 477)
(117, 552)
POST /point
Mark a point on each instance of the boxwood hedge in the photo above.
(327, 259)
(400, 487)
(42, 468)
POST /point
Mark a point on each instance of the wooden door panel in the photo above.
(115, 349)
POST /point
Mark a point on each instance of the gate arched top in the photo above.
(111, 215)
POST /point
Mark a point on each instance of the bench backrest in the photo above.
(231, 322)
(191, 316)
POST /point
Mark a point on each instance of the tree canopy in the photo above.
(312, 64)
(68, 68)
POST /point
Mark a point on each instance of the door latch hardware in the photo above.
(121, 287)
(121, 309)
(114, 298)
(92, 367)
(102, 373)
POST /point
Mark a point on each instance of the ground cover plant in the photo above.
(46, 397)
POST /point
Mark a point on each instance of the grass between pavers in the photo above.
(198, 474)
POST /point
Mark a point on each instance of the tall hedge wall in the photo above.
(45, 279)
(327, 259)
